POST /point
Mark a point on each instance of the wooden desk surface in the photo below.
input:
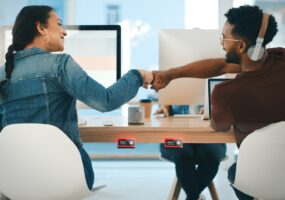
(154, 130)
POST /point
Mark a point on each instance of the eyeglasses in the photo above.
(222, 39)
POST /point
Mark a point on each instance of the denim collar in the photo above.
(29, 52)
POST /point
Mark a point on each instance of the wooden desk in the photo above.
(154, 130)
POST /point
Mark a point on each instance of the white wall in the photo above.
(224, 6)
(9, 10)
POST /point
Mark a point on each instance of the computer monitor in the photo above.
(97, 49)
(179, 47)
(212, 82)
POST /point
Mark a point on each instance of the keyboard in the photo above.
(188, 115)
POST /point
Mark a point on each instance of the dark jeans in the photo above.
(231, 176)
(88, 170)
(194, 179)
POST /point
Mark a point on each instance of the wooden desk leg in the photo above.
(175, 190)
(213, 191)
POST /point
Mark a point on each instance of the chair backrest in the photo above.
(39, 162)
(261, 163)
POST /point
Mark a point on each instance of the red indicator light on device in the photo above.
(173, 143)
(126, 143)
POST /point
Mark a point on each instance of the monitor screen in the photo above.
(180, 47)
(211, 85)
(97, 49)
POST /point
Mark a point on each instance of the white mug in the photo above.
(136, 115)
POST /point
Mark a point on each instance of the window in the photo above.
(113, 14)
(202, 14)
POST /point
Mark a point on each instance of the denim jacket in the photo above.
(44, 87)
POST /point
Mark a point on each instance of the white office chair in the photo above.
(39, 162)
(261, 163)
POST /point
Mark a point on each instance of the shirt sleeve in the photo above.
(78, 84)
(221, 116)
(180, 109)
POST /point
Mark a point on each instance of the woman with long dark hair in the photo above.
(38, 86)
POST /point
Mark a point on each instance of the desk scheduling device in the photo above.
(173, 143)
(126, 143)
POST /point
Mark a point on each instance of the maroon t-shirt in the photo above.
(253, 99)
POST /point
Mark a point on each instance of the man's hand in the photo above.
(211, 68)
(160, 79)
(163, 110)
(147, 77)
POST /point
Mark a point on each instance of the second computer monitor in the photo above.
(96, 48)
(179, 47)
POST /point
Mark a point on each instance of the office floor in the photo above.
(148, 179)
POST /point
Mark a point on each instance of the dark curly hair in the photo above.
(247, 21)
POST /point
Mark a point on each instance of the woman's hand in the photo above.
(147, 77)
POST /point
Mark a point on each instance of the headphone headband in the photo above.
(257, 51)
(264, 24)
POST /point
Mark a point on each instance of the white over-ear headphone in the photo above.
(255, 52)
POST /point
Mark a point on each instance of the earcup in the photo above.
(251, 50)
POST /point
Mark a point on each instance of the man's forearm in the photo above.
(203, 69)
(220, 127)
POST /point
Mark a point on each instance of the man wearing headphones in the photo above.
(256, 97)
